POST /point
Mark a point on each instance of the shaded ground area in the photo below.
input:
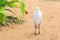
(50, 27)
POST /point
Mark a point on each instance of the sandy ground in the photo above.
(50, 27)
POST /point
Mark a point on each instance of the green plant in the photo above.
(4, 3)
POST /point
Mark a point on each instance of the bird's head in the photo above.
(37, 8)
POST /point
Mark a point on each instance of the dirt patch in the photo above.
(50, 27)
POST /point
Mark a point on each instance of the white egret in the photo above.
(37, 17)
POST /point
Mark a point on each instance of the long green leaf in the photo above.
(3, 2)
(11, 5)
(15, 0)
(2, 15)
(22, 7)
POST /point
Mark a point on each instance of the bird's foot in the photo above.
(35, 33)
(39, 33)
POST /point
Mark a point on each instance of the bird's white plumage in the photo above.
(37, 17)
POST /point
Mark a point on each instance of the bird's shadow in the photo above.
(32, 35)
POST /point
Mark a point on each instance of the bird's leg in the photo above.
(39, 28)
(35, 29)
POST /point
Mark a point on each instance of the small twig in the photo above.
(10, 11)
